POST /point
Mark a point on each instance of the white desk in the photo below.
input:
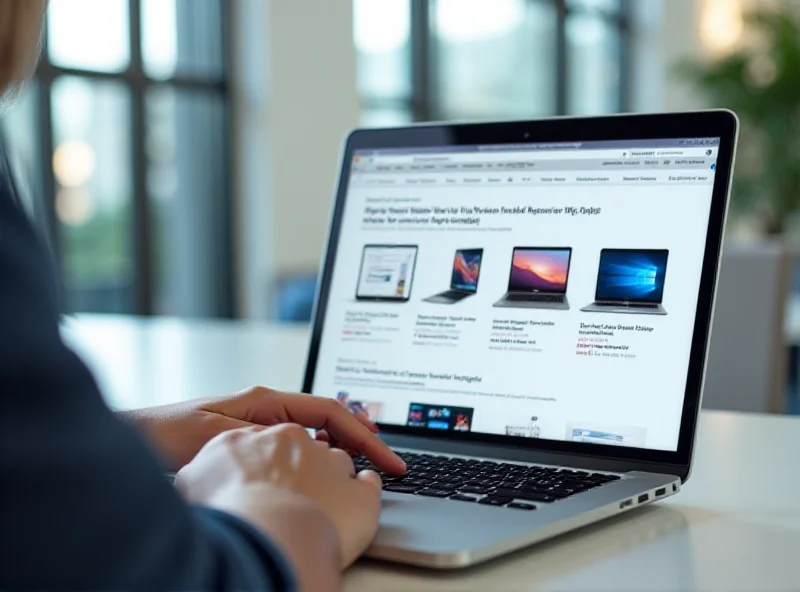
(735, 526)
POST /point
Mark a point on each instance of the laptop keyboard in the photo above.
(628, 305)
(487, 482)
(453, 295)
(534, 298)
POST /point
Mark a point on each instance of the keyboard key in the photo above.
(436, 492)
(519, 506)
(494, 501)
(400, 488)
(463, 498)
(531, 496)
(473, 489)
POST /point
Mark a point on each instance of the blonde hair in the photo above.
(20, 33)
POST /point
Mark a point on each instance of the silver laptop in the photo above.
(630, 281)
(522, 423)
(538, 278)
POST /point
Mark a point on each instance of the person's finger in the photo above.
(363, 417)
(322, 436)
(342, 426)
(372, 478)
(342, 461)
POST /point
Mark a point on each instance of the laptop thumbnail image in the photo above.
(630, 281)
(463, 279)
(538, 278)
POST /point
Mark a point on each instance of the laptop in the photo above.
(517, 428)
(538, 278)
(630, 281)
(463, 278)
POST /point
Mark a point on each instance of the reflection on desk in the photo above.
(734, 526)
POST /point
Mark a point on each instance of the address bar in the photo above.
(530, 156)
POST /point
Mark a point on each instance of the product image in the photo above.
(538, 278)
(532, 430)
(630, 281)
(464, 277)
(387, 273)
(440, 417)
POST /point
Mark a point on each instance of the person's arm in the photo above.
(83, 503)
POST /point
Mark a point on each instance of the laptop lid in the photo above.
(537, 270)
(631, 275)
(633, 384)
(466, 270)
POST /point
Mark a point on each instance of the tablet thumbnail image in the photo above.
(464, 277)
(440, 417)
(630, 281)
(387, 273)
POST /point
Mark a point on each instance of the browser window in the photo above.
(589, 257)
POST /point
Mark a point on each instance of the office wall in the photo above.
(312, 104)
(296, 99)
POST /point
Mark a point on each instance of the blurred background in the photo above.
(181, 153)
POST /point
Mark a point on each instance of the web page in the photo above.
(530, 293)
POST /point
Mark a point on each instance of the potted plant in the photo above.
(760, 81)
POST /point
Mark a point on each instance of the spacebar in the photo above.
(530, 496)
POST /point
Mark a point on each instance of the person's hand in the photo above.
(179, 431)
(302, 492)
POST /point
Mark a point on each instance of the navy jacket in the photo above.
(84, 504)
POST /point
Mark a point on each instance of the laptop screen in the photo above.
(466, 270)
(539, 270)
(632, 275)
(587, 220)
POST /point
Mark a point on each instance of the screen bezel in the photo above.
(361, 298)
(534, 291)
(721, 124)
(597, 296)
(480, 267)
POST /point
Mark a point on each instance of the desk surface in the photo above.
(735, 526)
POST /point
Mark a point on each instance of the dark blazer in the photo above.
(84, 504)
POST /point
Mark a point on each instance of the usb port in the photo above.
(660, 492)
(625, 504)
(643, 498)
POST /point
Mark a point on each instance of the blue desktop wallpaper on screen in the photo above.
(632, 275)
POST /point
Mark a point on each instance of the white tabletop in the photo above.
(735, 526)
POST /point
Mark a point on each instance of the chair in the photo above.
(747, 363)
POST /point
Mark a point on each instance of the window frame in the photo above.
(422, 103)
(136, 80)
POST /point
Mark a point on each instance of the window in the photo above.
(424, 60)
(129, 112)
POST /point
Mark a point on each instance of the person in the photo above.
(85, 503)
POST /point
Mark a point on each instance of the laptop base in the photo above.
(624, 309)
(449, 297)
(444, 534)
(504, 302)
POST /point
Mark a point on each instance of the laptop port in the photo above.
(674, 488)
(643, 498)
(660, 492)
(625, 504)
